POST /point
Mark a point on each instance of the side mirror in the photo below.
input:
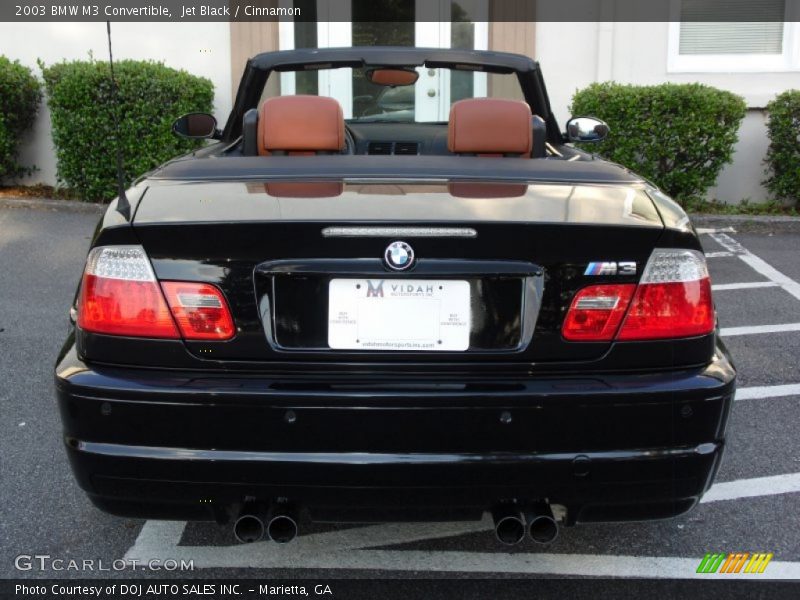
(195, 126)
(586, 129)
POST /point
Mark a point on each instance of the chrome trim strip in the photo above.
(400, 232)
(532, 292)
(365, 458)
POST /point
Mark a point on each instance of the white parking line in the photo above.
(712, 230)
(157, 535)
(770, 272)
(718, 254)
(727, 242)
(302, 555)
(753, 329)
(744, 286)
(555, 564)
(353, 548)
(273, 556)
(757, 264)
(768, 391)
(788, 483)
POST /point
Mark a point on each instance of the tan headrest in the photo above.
(300, 124)
(490, 126)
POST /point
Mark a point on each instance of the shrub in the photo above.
(20, 95)
(783, 155)
(677, 135)
(150, 96)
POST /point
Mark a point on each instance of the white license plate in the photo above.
(398, 314)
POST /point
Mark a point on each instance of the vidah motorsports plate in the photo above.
(398, 314)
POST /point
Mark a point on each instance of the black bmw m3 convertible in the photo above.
(360, 314)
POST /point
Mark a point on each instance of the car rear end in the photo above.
(379, 350)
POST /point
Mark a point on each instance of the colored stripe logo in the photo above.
(601, 268)
(734, 562)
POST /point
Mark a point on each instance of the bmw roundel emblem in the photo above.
(399, 256)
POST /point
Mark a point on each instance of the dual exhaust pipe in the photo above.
(278, 524)
(511, 523)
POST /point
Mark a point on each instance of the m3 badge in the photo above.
(611, 268)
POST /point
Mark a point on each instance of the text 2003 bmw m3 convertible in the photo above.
(391, 318)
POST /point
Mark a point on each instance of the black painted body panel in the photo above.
(611, 431)
(217, 167)
(223, 233)
(156, 442)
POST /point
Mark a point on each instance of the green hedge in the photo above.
(677, 135)
(783, 156)
(20, 95)
(150, 97)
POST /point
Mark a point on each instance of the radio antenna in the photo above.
(123, 206)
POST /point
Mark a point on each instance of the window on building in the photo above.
(733, 36)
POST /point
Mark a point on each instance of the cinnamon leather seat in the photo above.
(490, 127)
(300, 125)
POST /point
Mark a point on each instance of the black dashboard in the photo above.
(408, 139)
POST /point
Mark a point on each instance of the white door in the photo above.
(435, 89)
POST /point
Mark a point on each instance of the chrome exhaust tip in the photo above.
(248, 528)
(282, 528)
(509, 525)
(542, 525)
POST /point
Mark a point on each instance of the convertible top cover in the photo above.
(393, 167)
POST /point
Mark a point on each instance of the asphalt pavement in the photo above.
(753, 507)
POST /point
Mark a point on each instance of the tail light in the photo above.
(200, 310)
(672, 300)
(120, 295)
(596, 312)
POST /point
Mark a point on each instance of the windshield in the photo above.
(427, 100)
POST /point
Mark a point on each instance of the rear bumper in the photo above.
(163, 444)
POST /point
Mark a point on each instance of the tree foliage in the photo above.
(150, 96)
(20, 95)
(677, 135)
(783, 155)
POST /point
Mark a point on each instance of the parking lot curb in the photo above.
(50, 204)
(749, 223)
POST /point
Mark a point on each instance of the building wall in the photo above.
(200, 48)
(506, 36)
(573, 55)
(247, 40)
